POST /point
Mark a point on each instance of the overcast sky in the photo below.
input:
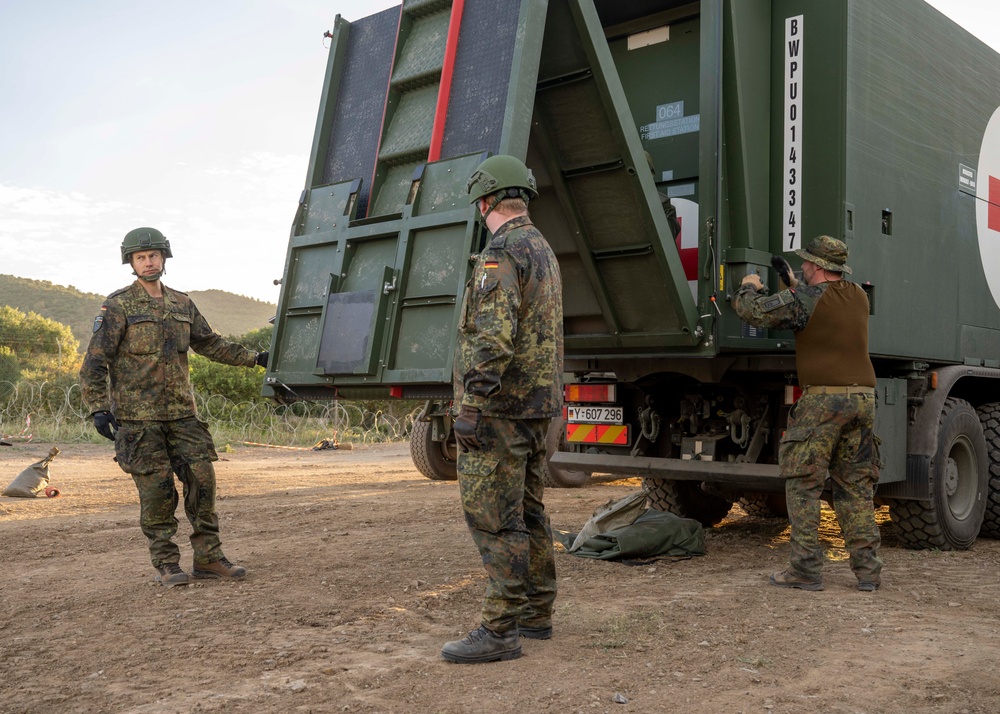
(192, 117)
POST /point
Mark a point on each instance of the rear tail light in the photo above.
(583, 393)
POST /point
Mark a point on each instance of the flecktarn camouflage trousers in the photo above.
(831, 435)
(152, 452)
(501, 489)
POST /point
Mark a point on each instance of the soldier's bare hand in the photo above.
(753, 280)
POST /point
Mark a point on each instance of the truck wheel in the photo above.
(555, 441)
(951, 519)
(989, 417)
(686, 499)
(765, 505)
(437, 460)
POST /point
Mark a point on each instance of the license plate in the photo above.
(595, 415)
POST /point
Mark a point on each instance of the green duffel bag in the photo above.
(652, 534)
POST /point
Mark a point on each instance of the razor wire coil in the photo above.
(48, 411)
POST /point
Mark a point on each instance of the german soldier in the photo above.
(135, 382)
(830, 428)
(508, 385)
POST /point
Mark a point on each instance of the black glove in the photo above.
(262, 358)
(784, 271)
(465, 429)
(106, 424)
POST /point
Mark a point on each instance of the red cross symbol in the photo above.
(993, 217)
(689, 256)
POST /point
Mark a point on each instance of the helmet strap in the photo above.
(492, 203)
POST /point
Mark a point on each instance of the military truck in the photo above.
(767, 123)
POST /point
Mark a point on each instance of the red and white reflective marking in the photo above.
(597, 434)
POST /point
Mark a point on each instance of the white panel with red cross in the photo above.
(988, 205)
(687, 241)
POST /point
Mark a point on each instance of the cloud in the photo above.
(60, 237)
(228, 226)
(38, 206)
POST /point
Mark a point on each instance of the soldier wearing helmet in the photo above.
(830, 428)
(135, 382)
(508, 385)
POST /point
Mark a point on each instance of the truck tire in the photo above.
(686, 499)
(555, 441)
(989, 417)
(951, 519)
(764, 505)
(437, 460)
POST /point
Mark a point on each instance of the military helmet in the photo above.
(144, 239)
(502, 174)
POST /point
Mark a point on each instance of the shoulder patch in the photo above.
(99, 320)
(775, 301)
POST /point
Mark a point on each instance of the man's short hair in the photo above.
(511, 207)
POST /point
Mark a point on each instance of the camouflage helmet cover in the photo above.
(144, 239)
(498, 173)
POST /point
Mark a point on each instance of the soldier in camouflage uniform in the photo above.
(830, 428)
(508, 385)
(135, 382)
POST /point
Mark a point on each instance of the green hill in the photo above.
(232, 314)
(229, 314)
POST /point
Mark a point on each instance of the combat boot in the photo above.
(535, 632)
(219, 569)
(483, 645)
(787, 579)
(170, 574)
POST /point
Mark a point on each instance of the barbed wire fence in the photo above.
(54, 412)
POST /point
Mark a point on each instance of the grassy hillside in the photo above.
(229, 314)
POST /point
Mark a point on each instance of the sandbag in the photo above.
(34, 479)
(651, 534)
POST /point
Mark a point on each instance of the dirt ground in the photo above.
(360, 569)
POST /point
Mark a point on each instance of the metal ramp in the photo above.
(402, 90)
(379, 252)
